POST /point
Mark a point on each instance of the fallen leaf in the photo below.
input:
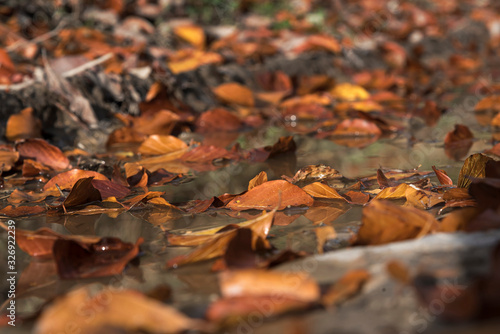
(83, 192)
(233, 92)
(323, 234)
(321, 190)
(349, 92)
(192, 34)
(7, 160)
(23, 125)
(158, 144)
(20, 211)
(422, 199)
(398, 271)
(67, 180)
(43, 152)
(272, 194)
(384, 222)
(110, 189)
(218, 119)
(356, 127)
(474, 166)
(357, 197)
(443, 178)
(257, 180)
(106, 257)
(255, 282)
(106, 310)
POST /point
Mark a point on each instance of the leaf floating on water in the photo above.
(443, 178)
(474, 166)
(43, 152)
(83, 192)
(234, 93)
(257, 180)
(67, 180)
(270, 195)
(321, 190)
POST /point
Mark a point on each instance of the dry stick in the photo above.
(67, 74)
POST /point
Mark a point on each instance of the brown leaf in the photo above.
(218, 119)
(422, 199)
(458, 142)
(192, 34)
(240, 253)
(346, 287)
(257, 180)
(216, 245)
(393, 192)
(357, 127)
(113, 308)
(474, 166)
(20, 211)
(233, 92)
(349, 92)
(321, 190)
(67, 180)
(106, 257)
(323, 234)
(357, 197)
(110, 189)
(158, 144)
(43, 152)
(272, 194)
(398, 271)
(7, 160)
(443, 178)
(83, 192)
(384, 222)
(206, 154)
(23, 125)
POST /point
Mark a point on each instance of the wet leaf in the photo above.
(396, 192)
(140, 314)
(43, 152)
(272, 194)
(67, 180)
(157, 145)
(321, 190)
(106, 257)
(422, 199)
(384, 222)
(218, 119)
(357, 127)
(357, 197)
(83, 192)
(20, 211)
(7, 160)
(110, 189)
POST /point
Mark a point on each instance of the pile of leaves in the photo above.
(110, 117)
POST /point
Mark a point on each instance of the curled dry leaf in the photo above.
(234, 93)
(346, 287)
(272, 194)
(384, 222)
(83, 192)
(474, 166)
(257, 180)
(443, 178)
(321, 190)
(158, 144)
(43, 152)
(106, 257)
(23, 125)
(110, 189)
(126, 309)
(422, 199)
(67, 180)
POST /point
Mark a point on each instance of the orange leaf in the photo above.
(67, 180)
(43, 152)
(270, 195)
(257, 180)
(443, 178)
(192, 34)
(320, 190)
(233, 92)
(23, 125)
(349, 92)
(7, 160)
(157, 144)
(346, 287)
(384, 222)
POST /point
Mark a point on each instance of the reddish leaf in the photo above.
(443, 178)
(233, 92)
(83, 192)
(357, 127)
(357, 197)
(106, 257)
(23, 125)
(110, 189)
(272, 194)
(320, 190)
(20, 211)
(67, 180)
(157, 145)
(43, 152)
(218, 119)
(257, 180)
(7, 160)
(206, 154)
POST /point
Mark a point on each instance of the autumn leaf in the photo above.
(43, 152)
(257, 180)
(272, 194)
(23, 125)
(67, 180)
(321, 190)
(233, 92)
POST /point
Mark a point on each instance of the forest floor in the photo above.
(250, 166)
